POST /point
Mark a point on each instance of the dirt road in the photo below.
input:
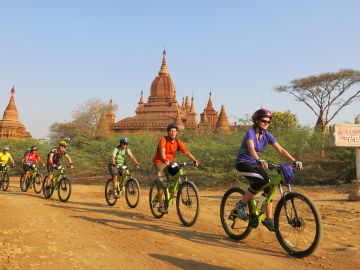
(85, 233)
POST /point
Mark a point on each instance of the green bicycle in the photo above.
(34, 178)
(187, 196)
(126, 183)
(297, 222)
(4, 177)
(59, 182)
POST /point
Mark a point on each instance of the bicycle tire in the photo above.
(47, 190)
(228, 202)
(64, 187)
(132, 190)
(185, 197)
(109, 193)
(37, 183)
(6, 181)
(23, 185)
(154, 202)
(301, 223)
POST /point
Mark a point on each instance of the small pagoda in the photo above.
(10, 126)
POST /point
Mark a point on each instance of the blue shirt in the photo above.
(244, 153)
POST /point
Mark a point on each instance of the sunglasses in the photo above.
(264, 121)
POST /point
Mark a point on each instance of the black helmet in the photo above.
(124, 140)
(172, 126)
(261, 113)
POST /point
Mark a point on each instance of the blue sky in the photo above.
(58, 54)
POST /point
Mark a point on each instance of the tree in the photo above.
(89, 121)
(283, 120)
(325, 94)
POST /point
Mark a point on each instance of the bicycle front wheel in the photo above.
(6, 181)
(235, 227)
(297, 225)
(109, 193)
(64, 189)
(48, 190)
(188, 203)
(154, 201)
(38, 181)
(23, 185)
(132, 192)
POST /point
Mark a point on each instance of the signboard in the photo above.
(345, 135)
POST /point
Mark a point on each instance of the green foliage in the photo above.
(283, 120)
(217, 153)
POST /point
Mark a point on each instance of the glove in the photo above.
(262, 162)
(71, 165)
(298, 164)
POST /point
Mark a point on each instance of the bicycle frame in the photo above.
(57, 177)
(2, 172)
(274, 183)
(122, 179)
(175, 182)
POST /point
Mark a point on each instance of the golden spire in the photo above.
(164, 69)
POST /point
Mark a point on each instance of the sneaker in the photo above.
(116, 195)
(269, 224)
(162, 210)
(241, 211)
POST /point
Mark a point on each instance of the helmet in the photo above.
(124, 140)
(172, 126)
(6, 148)
(261, 113)
(62, 143)
(33, 148)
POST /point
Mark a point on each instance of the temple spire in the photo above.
(192, 108)
(222, 124)
(164, 69)
(141, 101)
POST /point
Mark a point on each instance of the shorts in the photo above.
(49, 168)
(28, 167)
(162, 174)
(256, 175)
(114, 170)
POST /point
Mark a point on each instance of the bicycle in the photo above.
(126, 183)
(187, 196)
(34, 178)
(59, 182)
(4, 177)
(297, 221)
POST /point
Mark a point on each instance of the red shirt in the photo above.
(170, 149)
(32, 157)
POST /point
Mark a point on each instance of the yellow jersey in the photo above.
(4, 158)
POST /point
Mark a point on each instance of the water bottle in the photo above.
(261, 200)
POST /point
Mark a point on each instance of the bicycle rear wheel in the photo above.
(48, 190)
(188, 203)
(109, 193)
(64, 189)
(235, 227)
(132, 192)
(297, 225)
(38, 181)
(23, 185)
(6, 181)
(154, 201)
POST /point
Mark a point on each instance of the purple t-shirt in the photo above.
(244, 153)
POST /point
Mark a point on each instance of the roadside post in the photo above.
(347, 135)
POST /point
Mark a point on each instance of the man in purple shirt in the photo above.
(249, 163)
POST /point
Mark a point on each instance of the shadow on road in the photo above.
(188, 263)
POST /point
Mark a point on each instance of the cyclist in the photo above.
(5, 157)
(55, 156)
(251, 165)
(165, 153)
(31, 158)
(117, 160)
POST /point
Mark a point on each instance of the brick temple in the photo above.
(10, 126)
(162, 108)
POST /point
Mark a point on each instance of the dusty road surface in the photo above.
(85, 233)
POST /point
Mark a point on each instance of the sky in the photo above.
(59, 54)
